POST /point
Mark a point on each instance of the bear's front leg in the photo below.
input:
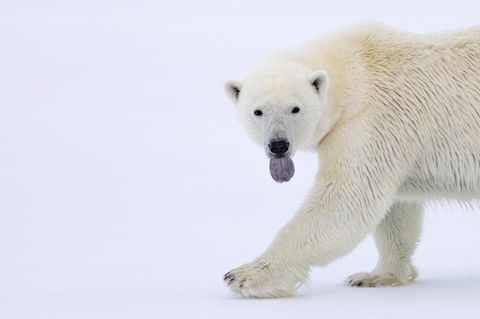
(266, 277)
(335, 217)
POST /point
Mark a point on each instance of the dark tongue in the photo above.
(281, 169)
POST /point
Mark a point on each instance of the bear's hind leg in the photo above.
(395, 237)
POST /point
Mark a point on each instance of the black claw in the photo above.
(241, 286)
(228, 276)
(231, 279)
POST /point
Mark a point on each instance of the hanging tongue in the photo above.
(281, 169)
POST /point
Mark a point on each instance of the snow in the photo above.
(128, 187)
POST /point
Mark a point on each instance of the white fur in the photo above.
(396, 121)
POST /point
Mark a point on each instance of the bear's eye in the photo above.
(296, 109)
(257, 113)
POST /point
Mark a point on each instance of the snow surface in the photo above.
(128, 187)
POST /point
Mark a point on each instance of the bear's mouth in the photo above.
(282, 168)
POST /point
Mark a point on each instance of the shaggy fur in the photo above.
(395, 120)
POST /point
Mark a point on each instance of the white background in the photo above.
(128, 188)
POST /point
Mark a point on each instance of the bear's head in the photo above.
(281, 106)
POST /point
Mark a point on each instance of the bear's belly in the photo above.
(455, 178)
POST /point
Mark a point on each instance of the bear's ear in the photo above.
(320, 81)
(233, 89)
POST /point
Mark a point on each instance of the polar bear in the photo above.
(395, 120)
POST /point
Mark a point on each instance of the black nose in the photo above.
(278, 147)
